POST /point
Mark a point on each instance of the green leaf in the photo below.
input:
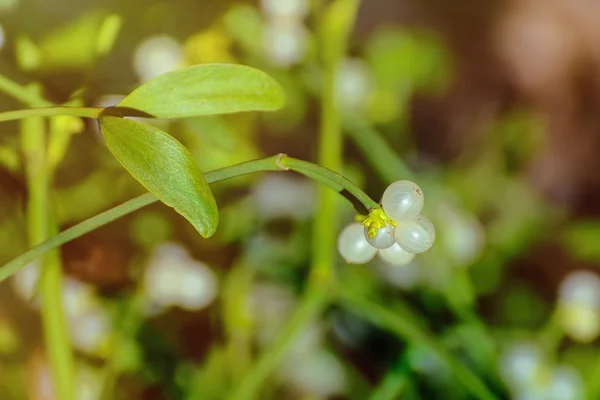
(213, 131)
(206, 90)
(164, 166)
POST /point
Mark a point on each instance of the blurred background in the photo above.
(490, 106)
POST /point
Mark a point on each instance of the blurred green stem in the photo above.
(551, 334)
(131, 320)
(89, 112)
(395, 382)
(280, 162)
(238, 319)
(408, 330)
(377, 151)
(22, 94)
(313, 302)
(41, 226)
(335, 24)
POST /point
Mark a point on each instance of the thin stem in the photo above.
(395, 382)
(377, 151)
(88, 112)
(329, 178)
(335, 26)
(56, 333)
(279, 162)
(237, 320)
(312, 304)
(22, 93)
(41, 225)
(408, 330)
(130, 322)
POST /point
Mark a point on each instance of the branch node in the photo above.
(279, 162)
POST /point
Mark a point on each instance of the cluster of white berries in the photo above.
(396, 232)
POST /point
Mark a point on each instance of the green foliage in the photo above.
(445, 318)
(206, 90)
(160, 163)
(582, 240)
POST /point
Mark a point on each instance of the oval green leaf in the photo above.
(165, 167)
(206, 90)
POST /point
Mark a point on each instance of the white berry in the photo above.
(353, 245)
(416, 236)
(402, 200)
(396, 255)
(383, 239)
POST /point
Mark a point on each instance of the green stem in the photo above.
(88, 112)
(394, 383)
(335, 26)
(551, 334)
(22, 93)
(279, 162)
(131, 320)
(41, 225)
(593, 383)
(237, 320)
(312, 304)
(331, 179)
(377, 151)
(56, 333)
(388, 320)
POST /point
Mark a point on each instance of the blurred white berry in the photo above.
(307, 341)
(566, 384)
(353, 85)
(157, 55)
(276, 196)
(353, 245)
(89, 322)
(78, 297)
(162, 282)
(464, 236)
(108, 100)
(270, 305)
(581, 288)
(520, 363)
(317, 373)
(407, 277)
(24, 282)
(173, 278)
(286, 9)
(402, 200)
(91, 330)
(416, 236)
(396, 255)
(383, 239)
(285, 44)
(579, 306)
(199, 286)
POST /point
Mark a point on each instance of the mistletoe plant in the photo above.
(395, 229)
(167, 170)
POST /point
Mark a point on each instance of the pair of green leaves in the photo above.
(160, 162)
